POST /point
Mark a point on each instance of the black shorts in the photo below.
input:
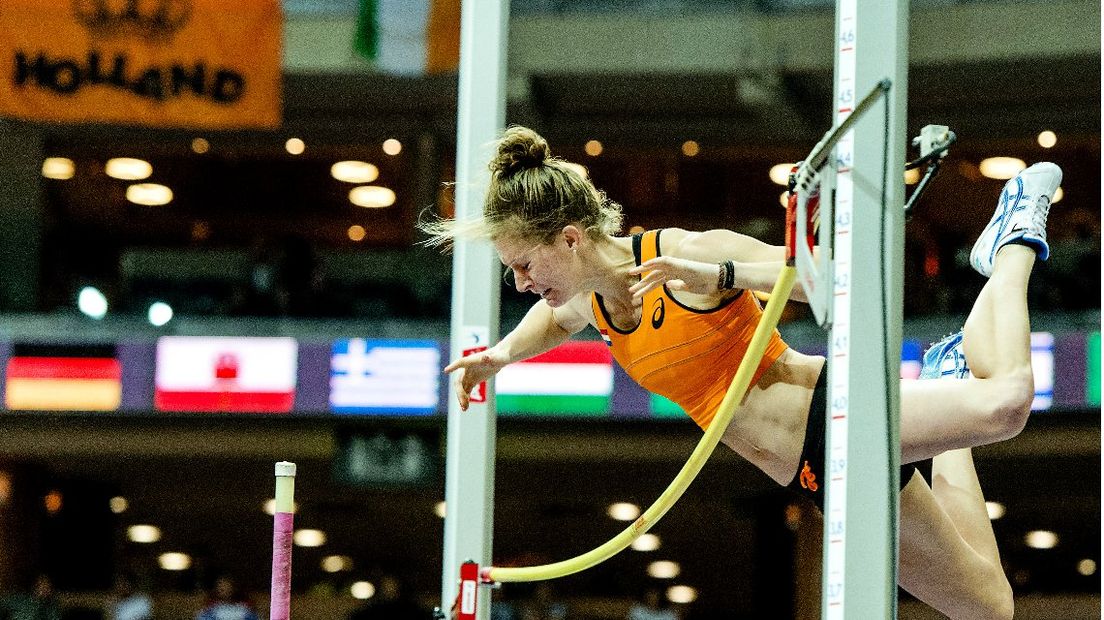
(809, 480)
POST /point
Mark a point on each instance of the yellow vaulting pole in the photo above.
(736, 391)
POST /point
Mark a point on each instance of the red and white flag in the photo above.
(233, 375)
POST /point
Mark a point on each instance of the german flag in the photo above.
(63, 378)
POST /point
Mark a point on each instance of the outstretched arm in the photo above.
(692, 263)
(542, 328)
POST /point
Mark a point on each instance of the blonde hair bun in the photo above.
(519, 149)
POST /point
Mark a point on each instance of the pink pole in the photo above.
(283, 527)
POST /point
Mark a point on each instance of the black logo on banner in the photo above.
(153, 20)
(65, 76)
(657, 313)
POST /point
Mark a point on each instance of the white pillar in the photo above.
(469, 463)
(860, 524)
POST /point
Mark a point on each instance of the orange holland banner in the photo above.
(172, 63)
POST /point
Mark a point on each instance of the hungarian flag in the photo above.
(232, 375)
(409, 37)
(575, 378)
(63, 378)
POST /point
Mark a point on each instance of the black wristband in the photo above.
(726, 276)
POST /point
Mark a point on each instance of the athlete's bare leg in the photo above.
(956, 487)
(993, 405)
(946, 559)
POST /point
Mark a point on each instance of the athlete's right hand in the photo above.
(469, 371)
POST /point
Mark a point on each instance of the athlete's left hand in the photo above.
(679, 274)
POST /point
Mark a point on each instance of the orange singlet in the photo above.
(690, 356)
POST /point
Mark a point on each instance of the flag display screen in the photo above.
(233, 375)
(575, 378)
(397, 378)
(63, 378)
(911, 359)
(1042, 366)
(1092, 362)
(385, 377)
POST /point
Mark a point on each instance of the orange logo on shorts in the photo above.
(808, 478)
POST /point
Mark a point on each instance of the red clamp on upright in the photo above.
(812, 209)
(468, 597)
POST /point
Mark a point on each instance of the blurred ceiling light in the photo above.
(372, 196)
(118, 504)
(780, 174)
(5, 487)
(200, 145)
(53, 502)
(356, 232)
(690, 148)
(143, 534)
(1001, 167)
(60, 168)
(270, 507)
(1048, 139)
(1041, 539)
(968, 170)
(664, 569)
(92, 303)
(354, 171)
(784, 199)
(646, 542)
(577, 168)
(337, 563)
(793, 517)
(309, 538)
(295, 146)
(174, 560)
(201, 230)
(1086, 567)
(996, 510)
(159, 313)
(912, 177)
(593, 148)
(149, 194)
(682, 594)
(128, 168)
(362, 590)
(1058, 195)
(392, 146)
(439, 509)
(623, 511)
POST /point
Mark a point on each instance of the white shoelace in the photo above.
(1039, 217)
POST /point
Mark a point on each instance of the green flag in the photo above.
(367, 38)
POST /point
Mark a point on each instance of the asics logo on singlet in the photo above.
(657, 313)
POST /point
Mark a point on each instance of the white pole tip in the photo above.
(285, 468)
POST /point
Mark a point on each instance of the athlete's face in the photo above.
(548, 270)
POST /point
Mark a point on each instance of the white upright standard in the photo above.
(469, 461)
(863, 446)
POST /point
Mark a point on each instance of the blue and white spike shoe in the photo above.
(945, 360)
(1021, 215)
